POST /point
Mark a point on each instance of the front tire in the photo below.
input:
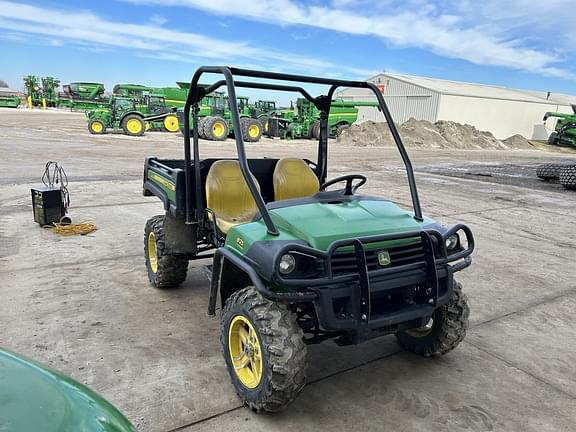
(216, 129)
(164, 270)
(96, 127)
(171, 123)
(251, 129)
(264, 350)
(444, 332)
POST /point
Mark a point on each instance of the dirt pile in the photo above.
(518, 142)
(423, 134)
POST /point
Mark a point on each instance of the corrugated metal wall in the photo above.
(404, 100)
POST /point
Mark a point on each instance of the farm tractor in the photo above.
(215, 119)
(297, 259)
(133, 116)
(304, 120)
(565, 131)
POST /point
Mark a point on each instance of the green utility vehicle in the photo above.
(565, 131)
(37, 398)
(304, 121)
(133, 116)
(295, 261)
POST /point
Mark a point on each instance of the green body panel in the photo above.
(173, 96)
(36, 398)
(9, 101)
(566, 136)
(164, 183)
(321, 224)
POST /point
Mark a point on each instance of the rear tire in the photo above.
(567, 177)
(215, 129)
(549, 171)
(133, 125)
(448, 328)
(164, 271)
(278, 374)
(251, 129)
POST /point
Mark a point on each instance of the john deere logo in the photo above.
(383, 258)
(239, 242)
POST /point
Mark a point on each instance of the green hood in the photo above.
(320, 224)
(36, 398)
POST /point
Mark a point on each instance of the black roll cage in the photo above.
(322, 102)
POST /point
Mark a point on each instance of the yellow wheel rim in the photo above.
(253, 131)
(97, 127)
(147, 126)
(171, 123)
(423, 331)
(218, 129)
(152, 253)
(134, 126)
(245, 351)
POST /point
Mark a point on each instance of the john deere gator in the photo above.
(297, 259)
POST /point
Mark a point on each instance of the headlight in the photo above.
(452, 242)
(287, 264)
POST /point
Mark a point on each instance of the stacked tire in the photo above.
(565, 174)
(567, 177)
(549, 171)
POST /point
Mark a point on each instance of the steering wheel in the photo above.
(351, 188)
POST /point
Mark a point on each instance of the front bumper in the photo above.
(368, 299)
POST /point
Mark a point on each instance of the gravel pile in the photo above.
(423, 134)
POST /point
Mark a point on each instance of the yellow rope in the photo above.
(82, 228)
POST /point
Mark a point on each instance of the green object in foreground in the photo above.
(34, 398)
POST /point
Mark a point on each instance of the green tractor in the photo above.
(565, 131)
(215, 119)
(296, 260)
(133, 116)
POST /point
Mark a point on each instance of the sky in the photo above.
(526, 44)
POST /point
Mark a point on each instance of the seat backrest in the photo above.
(293, 178)
(227, 193)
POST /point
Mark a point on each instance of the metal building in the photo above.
(502, 111)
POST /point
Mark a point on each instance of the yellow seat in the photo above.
(228, 195)
(293, 178)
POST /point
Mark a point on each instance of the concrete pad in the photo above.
(466, 390)
(539, 340)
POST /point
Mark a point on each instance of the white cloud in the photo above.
(158, 20)
(152, 40)
(488, 33)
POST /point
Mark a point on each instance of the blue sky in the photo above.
(519, 43)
